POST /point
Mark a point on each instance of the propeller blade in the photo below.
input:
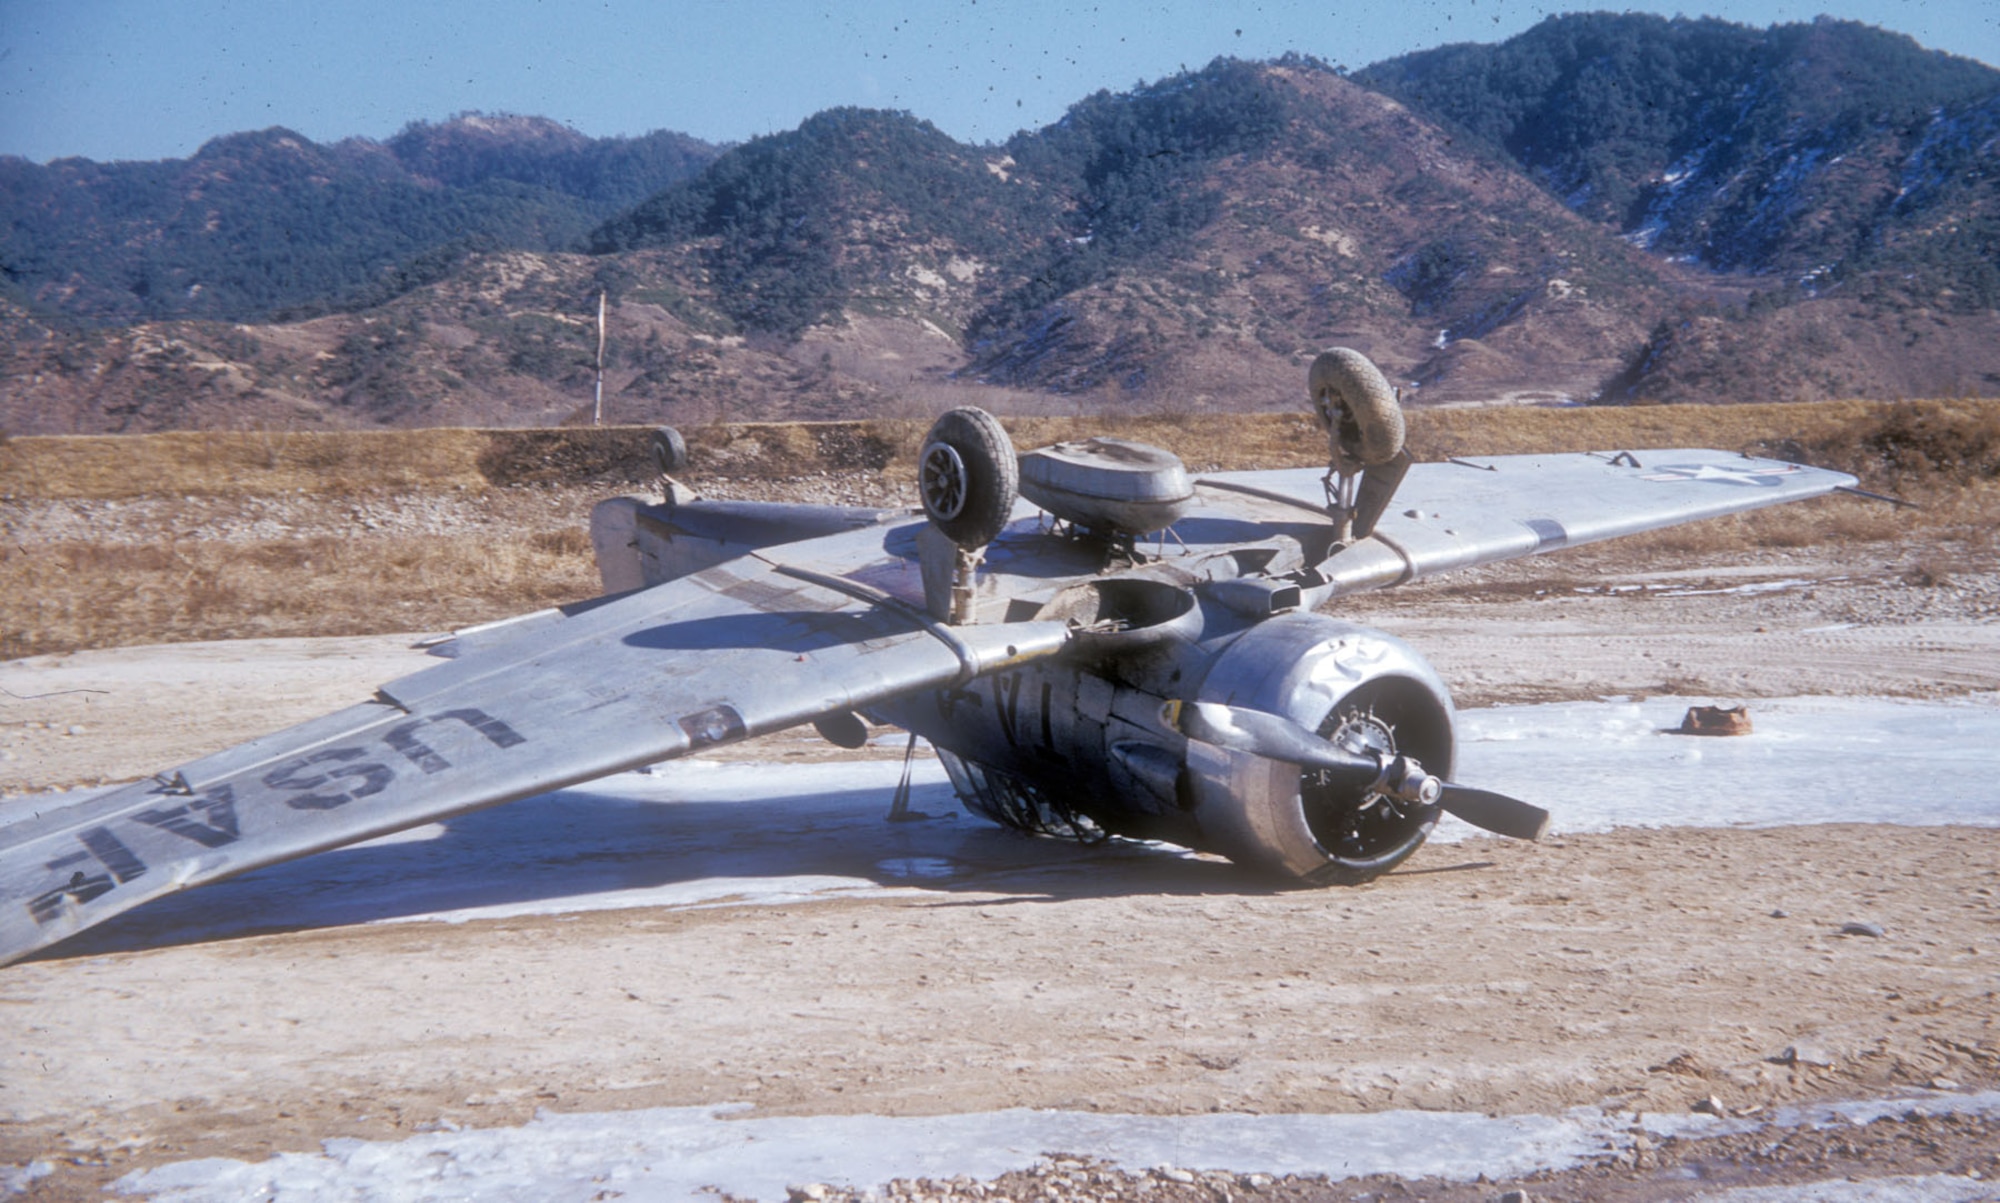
(1268, 735)
(1496, 813)
(1280, 738)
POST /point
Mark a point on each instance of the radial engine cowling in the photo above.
(1360, 688)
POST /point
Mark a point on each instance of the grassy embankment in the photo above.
(67, 593)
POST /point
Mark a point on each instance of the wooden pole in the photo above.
(597, 408)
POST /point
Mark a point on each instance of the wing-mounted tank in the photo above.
(1113, 487)
(1111, 490)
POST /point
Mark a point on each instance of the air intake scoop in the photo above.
(1108, 485)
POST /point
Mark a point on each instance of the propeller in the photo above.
(1401, 777)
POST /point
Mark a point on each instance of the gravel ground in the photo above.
(1870, 585)
(1670, 922)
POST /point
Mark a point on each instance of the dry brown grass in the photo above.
(1512, 431)
(57, 597)
(222, 463)
(1885, 442)
(1838, 520)
(64, 596)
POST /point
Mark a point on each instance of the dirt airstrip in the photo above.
(1653, 970)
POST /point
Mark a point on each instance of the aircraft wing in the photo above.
(1479, 509)
(739, 650)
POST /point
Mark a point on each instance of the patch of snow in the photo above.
(1867, 1111)
(693, 1152)
(1948, 152)
(1936, 1188)
(697, 833)
(1646, 235)
(674, 1153)
(1784, 585)
(16, 1179)
(1808, 760)
(1752, 589)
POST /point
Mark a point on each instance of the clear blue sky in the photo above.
(148, 79)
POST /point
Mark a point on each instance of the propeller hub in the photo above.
(1405, 780)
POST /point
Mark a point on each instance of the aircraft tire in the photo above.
(670, 452)
(1355, 404)
(967, 476)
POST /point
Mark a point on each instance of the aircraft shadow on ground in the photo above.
(552, 853)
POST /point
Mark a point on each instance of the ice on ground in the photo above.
(697, 833)
(1604, 765)
(16, 1179)
(694, 1152)
(1936, 1188)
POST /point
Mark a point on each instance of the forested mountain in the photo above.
(257, 223)
(1812, 150)
(1193, 234)
(791, 229)
(1610, 208)
(1845, 171)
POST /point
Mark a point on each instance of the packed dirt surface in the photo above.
(1593, 624)
(1772, 623)
(1656, 970)
(1644, 970)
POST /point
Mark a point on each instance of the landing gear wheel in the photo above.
(967, 476)
(670, 452)
(1355, 404)
(1368, 835)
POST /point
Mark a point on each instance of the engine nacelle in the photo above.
(1360, 688)
(1060, 749)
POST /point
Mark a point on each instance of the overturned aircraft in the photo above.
(1095, 642)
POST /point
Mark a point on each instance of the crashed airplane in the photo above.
(1094, 642)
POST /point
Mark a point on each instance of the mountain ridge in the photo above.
(258, 224)
(1181, 247)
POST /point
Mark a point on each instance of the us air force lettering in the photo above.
(1095, 643)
